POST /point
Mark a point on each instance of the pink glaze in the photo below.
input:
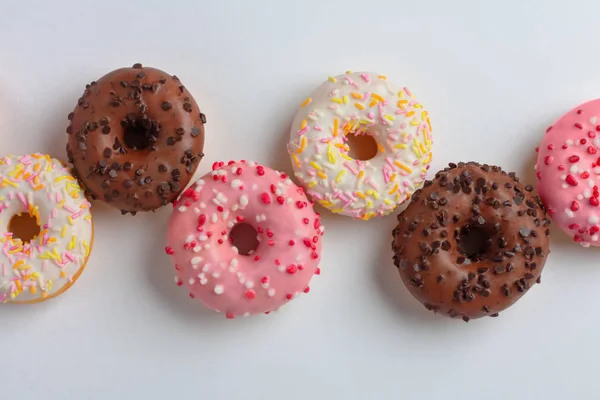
(568, 170)
(209, 266)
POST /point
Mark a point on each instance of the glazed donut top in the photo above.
(43, 188)
(361, 103)
(136, 138)
(472, 241)
(288, 232)
(568, 170)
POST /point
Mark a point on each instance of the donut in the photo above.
(366, 109)
(41, 190)
(256, 279)
(135, 138)
(568, 173)
(472, 241)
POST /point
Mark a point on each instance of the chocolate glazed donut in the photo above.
(135, 138)
(472, 241)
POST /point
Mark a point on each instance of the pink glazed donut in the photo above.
(568, 170)
(200, 241)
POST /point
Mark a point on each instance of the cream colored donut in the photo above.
(47, 265)
(361, 103)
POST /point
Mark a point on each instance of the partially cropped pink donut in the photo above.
(210, 267)
(568, 170)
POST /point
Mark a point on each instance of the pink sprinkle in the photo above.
(39, 248)
(365, 77)
(69, 256)
(369, 182)
(311, 172)
(351, 82)
(44, 265)
(45, 239)
(398, 112)
(347, 165)
(3, 269)
(341, 196)
(11, 195)
(386, 176)
(389, 161)
(53, 213)
(7, 234)
(371, 115)
(407, 91)
(318, 128)
(58, 198)
(303, 131)
(3, 297)
(366, 96)
(316, 195)
(405, 183)
(69, 209)
(78, 214)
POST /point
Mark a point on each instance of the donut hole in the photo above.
(474, 242)
(245, 238)
(362, 147)
(23, 227)
(139, 133)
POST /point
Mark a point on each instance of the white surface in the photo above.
(493, 75)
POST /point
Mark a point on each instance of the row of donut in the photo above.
(471, 242)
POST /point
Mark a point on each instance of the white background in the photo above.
(494, 75)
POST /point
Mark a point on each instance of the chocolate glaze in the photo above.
(135, 138)
(472, 241)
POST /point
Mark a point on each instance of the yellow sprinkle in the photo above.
(295, 157)
(51, 240)
(337, 100)
(332, 79)
(380, 147)
(36, 167)
(336, 126)
(302, 145)
(56, 253)
(321, 175)
(400, 93)
(61, 204)
(64, 231)
(17, 250)
(311, 184)
(49, 286)
(364, 122)
(394, 189)
(338, 178)
(11, 183)
(345, 99)
(18, 263)
(378, 97)
(63, 177)
(410, 113)
(416, 151)
(19, 287)
(346, 157)
(402, 104)
(417, 105)
(325, 203)
(348, 72)
(303, 125)
(37, 155)
(315, 165)
(360, 195)
(330, 155)
(72, 243)
(402, 166)
(372, 103)
(356, 95)
(388, 202)
(373, 194)
(382, 77)
(306, 102)
(369, 204)
(361, 173)
(389, 117)
(422, 148)
(400, 146)
(359, 106)
(38, 187)
(393, 177)
(414, 122)
(63, 274)
(87, 217)
(336, 210)
(70, 219)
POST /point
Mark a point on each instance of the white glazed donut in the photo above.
(360, 103)
(49, 264)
